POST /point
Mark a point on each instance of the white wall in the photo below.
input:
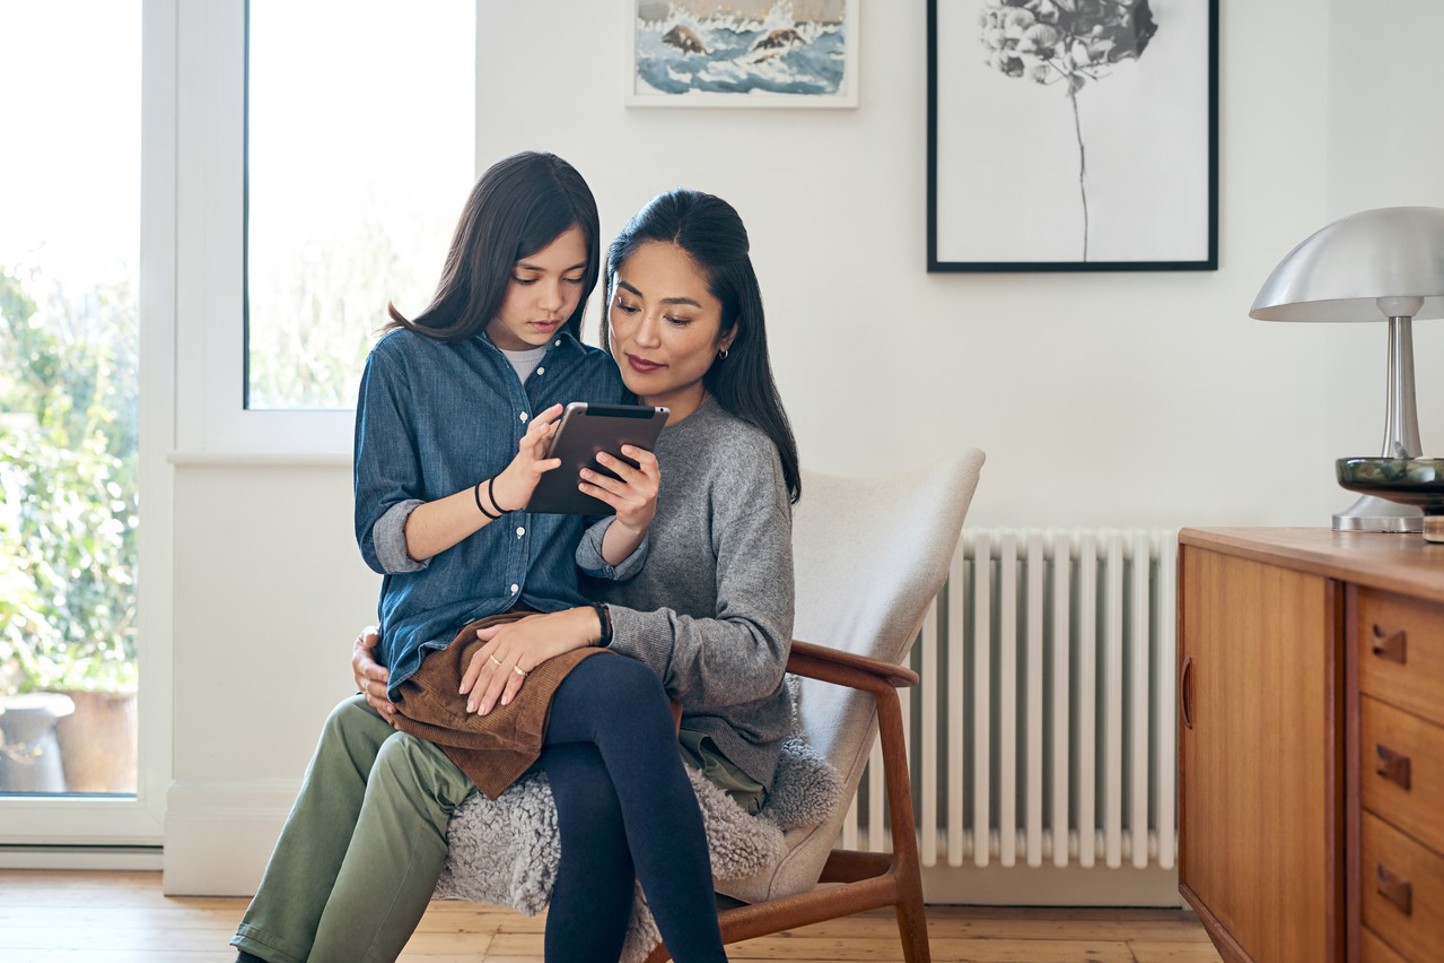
(1101, 399)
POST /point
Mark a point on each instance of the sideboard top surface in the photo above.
(1395, 563)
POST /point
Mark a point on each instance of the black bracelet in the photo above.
(604, 616)
(476, 493)
(492, 495)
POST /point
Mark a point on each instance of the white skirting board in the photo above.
(1049, 885)
(218, 836)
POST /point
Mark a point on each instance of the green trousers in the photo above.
(362, 848)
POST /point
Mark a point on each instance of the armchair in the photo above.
(870, 555)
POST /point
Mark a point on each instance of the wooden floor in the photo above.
(62, 917)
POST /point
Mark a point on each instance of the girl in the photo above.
(454, 410)
(711, 612)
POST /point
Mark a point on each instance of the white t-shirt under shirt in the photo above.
(525, 362)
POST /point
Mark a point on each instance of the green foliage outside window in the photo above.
(68, 472)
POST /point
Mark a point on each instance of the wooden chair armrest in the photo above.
(833, 665)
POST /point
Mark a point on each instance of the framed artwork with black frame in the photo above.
(1072, 135)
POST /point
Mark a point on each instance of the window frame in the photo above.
(210, 268)
(213, 424)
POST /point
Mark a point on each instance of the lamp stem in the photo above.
(1401, 422)
(1401, 437)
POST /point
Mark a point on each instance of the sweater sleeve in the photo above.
(387, 476)
(591, 561)
(740, 655)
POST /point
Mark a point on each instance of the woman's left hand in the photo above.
(371, 675)
(499, 668)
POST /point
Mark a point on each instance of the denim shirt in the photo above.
(434, 418)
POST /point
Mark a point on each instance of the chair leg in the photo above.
(912, 919)
(912, 924)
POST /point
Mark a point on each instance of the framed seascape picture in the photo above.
(1072, 135)
(742, 53)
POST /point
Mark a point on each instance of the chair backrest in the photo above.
(870, 555)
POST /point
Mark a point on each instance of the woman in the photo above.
(447, 399)
(710, 613)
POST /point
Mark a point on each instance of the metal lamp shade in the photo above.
(1340, 272)
(1385, 264)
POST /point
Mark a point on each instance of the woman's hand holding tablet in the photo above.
(585, 431)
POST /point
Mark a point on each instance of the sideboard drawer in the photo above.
(1402, 891)
(1401, 651)
(1374, 950)
(1401, 770)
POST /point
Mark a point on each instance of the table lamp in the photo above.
(1382, 264)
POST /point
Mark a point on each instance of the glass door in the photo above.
(69, 400)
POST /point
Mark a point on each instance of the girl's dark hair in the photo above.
(711, 232)
(520, 205)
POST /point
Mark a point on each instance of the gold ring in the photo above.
(495, 661)
(518, 670)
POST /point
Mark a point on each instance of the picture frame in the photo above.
(741, 53)
(1072, 135)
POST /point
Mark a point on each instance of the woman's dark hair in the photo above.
(520, 205)
(711, 232)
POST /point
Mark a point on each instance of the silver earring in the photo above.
(722, 354)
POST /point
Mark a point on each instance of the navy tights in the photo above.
(625, 811)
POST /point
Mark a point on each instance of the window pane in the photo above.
(360, 145)
(69, 349)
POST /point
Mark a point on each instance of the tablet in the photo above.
(584, 431)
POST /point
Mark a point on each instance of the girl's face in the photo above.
(543, 292)
(665, 327)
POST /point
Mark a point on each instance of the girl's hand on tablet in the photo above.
(513, 487)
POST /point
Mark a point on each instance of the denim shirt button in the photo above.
(541, 371)
(514, 588)
(523, 416)
(520, 531)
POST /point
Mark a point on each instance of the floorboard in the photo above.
(90, 917)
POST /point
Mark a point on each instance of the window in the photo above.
(359, 154)
(69, 392)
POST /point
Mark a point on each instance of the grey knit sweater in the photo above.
(711, 609)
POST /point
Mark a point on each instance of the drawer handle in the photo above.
(1393, 766)
(1185, 691)
(1390, 645)
(1397, 891)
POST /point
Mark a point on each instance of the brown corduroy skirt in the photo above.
(494, 749)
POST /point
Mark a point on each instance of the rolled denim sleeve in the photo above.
(388, 536)
(591, 561)
(387, 474)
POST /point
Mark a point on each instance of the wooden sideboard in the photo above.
(1311, 743)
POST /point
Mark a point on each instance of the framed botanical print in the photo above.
(1072, 135)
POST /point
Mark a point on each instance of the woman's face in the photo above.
(665, 327)
(543, 292)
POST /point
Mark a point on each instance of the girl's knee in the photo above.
(625, 680)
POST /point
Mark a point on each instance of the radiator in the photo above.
(1043, 726)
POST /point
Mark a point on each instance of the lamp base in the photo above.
(1372, 514)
